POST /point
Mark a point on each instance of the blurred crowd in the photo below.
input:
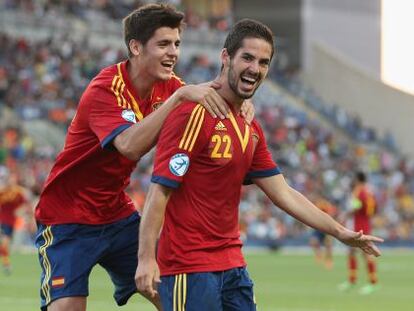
(209, 17)
(43, 81)
(351, 124)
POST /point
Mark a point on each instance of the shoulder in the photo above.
(171, 85)
(176, 80)
(105, 78)
(256, 128)
(190, 114)
(105, 83)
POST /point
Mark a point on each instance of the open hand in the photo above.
(362, 241)
(206, 95)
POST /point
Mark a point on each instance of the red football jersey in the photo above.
(86, 184)
(206, 160)
(362, 216)
(10, 200)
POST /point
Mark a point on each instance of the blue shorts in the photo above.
(230, 290)
(319, 235)
(67, 254)
(6, 230)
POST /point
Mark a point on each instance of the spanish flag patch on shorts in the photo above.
(58, 281)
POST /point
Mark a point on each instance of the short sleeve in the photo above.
(262, 164)
(182, 137)
(108, 117)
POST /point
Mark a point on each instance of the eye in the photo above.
(177, 43)
(265, 63)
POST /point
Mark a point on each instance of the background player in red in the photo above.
(84, 215)
(12, 198)
(362, 207)
(199, 168)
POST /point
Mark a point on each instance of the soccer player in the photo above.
(84, 216)
(362, 207)
(321, 242)
(12, 198)
(199, 169)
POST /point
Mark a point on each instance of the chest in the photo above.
(159, 95)
(230, 146)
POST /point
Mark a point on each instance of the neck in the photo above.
(135, 73)
(228, 95)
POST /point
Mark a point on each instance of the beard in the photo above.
(233, 79)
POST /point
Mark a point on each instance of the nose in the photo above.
(254, 67)
(173, 50)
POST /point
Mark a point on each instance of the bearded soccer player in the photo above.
(362, 208)
(199, 169)
(84, 216)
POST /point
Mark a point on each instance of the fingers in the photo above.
(145, 285)
(215, 105)
(373, 238)
(247, 111)
(366, 243)
(371, 249)
(215, 85)
(206, 104)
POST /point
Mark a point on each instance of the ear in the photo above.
(135, 47)
(225, 58)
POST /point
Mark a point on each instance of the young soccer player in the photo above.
(362, 208)
(199, 168)
(85, 217)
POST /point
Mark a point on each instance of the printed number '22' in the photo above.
(216, 153)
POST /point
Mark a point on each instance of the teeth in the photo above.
(248, 79)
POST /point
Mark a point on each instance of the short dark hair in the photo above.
(142, 23)
(361, 177)
(247, 28)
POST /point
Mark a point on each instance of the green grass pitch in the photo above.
(283, 282)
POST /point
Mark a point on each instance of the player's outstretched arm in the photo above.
(298, 206)
(138, 139)
(148, 275)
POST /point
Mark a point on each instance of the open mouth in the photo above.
(248, 79)
(168, 64)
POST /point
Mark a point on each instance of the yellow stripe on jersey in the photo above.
(178, 78)
(134, 105)
(114, 89)
(180, 292)
(197, 131)
(125, 103)
(45, 288)
(192, 128)
(243, 140)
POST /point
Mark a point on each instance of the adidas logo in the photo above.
(220, 127)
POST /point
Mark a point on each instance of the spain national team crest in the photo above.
(129, 115)
(179, 164)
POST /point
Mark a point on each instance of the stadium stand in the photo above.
(41, 81)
